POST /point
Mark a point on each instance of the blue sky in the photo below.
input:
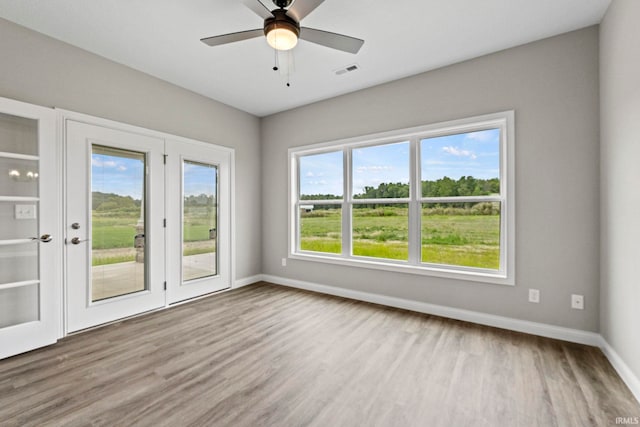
(372, 166)
(199, 179)
(118, 175)
(475, 153)
(124, 176)
(321, 174)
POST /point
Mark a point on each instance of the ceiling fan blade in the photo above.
(332, 40)
(302, 8)
(259, 8)
(232, 37)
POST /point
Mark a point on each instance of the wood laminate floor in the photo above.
(266, 355)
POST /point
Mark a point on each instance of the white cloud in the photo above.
(482, 135)
(99, 163)
(455, 151)
(309, 174)
(374, 169)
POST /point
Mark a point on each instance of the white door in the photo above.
(30, 243)
(114, 224)
(198, 219)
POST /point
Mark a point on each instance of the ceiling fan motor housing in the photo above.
(282, 3)
(280, 19)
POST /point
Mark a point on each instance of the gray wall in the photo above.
(40, 70)
(620, 152)
(553, 87)
(551, 84)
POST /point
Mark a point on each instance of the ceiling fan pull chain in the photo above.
(275, 60)
(290, 66)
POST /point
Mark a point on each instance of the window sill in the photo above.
(470, 275)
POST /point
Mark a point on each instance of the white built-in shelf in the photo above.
(18, 284)
(15, 242)
(5, 155)
(18, 199)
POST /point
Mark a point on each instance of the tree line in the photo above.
(116, 202)
(443, 187)
(110, 201)
(200, 200)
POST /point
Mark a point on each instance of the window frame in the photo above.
(505, 275)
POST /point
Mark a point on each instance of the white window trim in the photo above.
(505, 276)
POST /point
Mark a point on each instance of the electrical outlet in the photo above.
(577, 302)
(284, 262)
(534, 295)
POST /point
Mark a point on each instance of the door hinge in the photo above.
(164, 223)
(164, 158)
(165, 285)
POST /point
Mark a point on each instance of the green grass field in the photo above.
(113, 232)
(452, 238)
(113, 235)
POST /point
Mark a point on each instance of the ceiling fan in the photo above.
(282, 28)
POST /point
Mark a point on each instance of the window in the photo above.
(118, 222)
(320, 202)
(379, 209)
(435, 200)
(460, 199)
(199, 220)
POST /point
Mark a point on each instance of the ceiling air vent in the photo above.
(347, 69)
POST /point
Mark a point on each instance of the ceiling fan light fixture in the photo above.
(282, 32)
(282, 39)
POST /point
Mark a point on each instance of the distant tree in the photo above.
(199, 200)
(464, 186)
(110, 201)
(443, 187)
(385, 190)
(320, 197)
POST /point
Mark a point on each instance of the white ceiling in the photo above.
(402, 38)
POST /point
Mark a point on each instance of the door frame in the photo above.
(49, 166)
(188, 150)
(82, 311)
(64, 115)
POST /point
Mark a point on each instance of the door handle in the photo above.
(77, 240)
(45, 238)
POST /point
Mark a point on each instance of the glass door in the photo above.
(29, 242)
(198, 219)
(115, 224)
(118, 222)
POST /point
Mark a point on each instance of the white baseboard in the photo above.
(627, 375)
(246, 281)
(541, 329)
(534, 328)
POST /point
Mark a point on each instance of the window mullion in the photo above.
(461, 199)
(346, 203)
(379, 201)
(294, 197)
(414, 204)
